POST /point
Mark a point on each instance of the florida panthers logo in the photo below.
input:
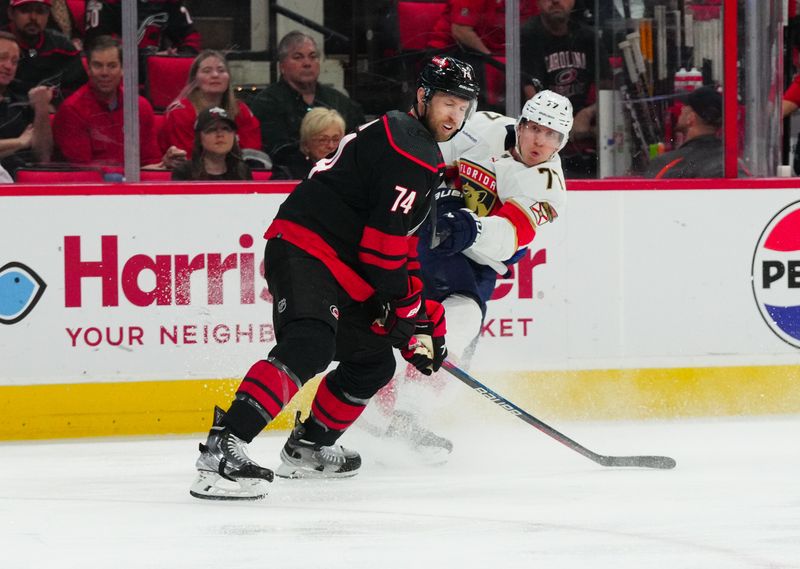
(479, 200)
(479, 186)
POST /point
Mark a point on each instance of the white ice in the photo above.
(509, 497)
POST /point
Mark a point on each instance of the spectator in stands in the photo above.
(165, 27)
(476, 25)
(62, 19)
(320, 133)
(216, 154)
(25, 134)
(478, 29)
(281, 106)
(559, 51)
(88, 127)
(791, 97)
(47, 57)
(701, 154)
(209, 86)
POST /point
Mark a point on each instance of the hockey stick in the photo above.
(662, 462)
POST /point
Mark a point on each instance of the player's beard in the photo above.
(439, 134)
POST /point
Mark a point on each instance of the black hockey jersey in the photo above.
(359, 209)
(162, 24)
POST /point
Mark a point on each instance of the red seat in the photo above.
(415, 21)
(155, 175)
(261, 175)
(78, 10)
(166, 76)
(59, 175)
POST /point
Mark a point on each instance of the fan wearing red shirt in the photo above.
(209, 86)
(88, 127)
(477, 25)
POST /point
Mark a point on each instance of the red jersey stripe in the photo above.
(310, 242)
(381, 262)
(520, 221)
(384, 243)
(663, 171)
(406, 154)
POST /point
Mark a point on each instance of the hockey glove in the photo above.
(426, 351)
(398, 318)
(459, 229)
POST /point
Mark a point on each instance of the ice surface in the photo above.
(510, 497)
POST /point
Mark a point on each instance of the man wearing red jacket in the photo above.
(341, 266)
(88, 127)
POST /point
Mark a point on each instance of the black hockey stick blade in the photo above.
(660, 462)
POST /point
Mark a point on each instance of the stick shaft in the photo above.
(636, 461)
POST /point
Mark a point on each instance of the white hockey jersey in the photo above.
(484, 135)
(511, 199)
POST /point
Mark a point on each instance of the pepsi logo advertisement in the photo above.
(776, 274)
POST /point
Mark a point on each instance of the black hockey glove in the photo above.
(399, 317)
(458, 230)
(426, 351)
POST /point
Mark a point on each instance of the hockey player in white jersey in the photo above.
(505, 185)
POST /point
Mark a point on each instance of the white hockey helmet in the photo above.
(551, 110)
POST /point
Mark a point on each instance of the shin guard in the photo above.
(265, 390)
(334, 409)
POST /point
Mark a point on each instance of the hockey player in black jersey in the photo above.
(342, 268)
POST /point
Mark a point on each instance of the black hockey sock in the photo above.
(244, 419)
(316, 433)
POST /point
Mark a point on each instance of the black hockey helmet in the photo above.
(448, 74)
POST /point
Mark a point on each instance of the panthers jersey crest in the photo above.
(479, 187)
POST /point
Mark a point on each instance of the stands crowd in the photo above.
(61, 87)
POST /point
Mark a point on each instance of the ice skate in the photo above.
(224, 471)
(305, 459)
(427, 445)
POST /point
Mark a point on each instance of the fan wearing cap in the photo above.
(701, 154)
(47, 57)
(216, 154)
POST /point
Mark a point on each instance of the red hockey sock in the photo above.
(332, 411)
(270, 387)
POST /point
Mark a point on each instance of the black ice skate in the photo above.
(224, 471)
(429, 446)
(301, 458)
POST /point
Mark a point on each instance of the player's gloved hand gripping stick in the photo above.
(426, 351)
(662, 462)
(417, 331)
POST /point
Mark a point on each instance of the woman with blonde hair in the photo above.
(320, 133)
(209, 86)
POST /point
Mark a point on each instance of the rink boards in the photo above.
(132, 309)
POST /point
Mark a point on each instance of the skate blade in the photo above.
(292, 471)
(212, 486)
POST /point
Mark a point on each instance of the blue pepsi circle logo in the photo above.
(776, 274)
